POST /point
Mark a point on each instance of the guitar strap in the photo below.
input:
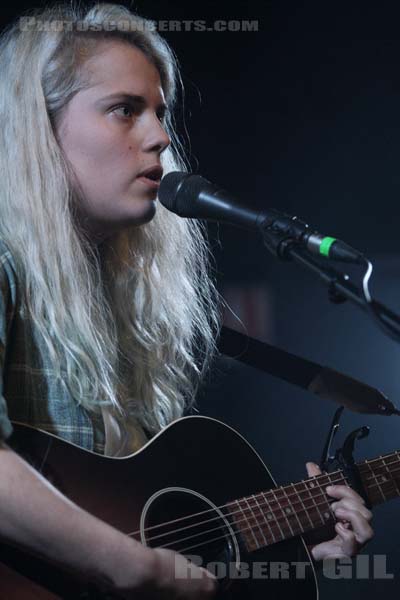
(306, 374)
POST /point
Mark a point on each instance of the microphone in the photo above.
(192, 196)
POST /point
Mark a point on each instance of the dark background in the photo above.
(304, 116)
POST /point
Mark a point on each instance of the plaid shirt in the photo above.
(29, 390)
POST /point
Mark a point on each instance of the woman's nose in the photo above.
(157, 139)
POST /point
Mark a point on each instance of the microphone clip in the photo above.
(280, 233)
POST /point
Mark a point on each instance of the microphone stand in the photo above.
(321, 381)
(340, 288)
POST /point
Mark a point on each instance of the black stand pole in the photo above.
(282, 244)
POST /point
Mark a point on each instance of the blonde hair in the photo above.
(137, 332)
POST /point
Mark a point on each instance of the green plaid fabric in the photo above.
(29, 391)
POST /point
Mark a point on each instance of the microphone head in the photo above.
(179, 192)
(169, 186)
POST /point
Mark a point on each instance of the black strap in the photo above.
(268, 358)
(317, 379)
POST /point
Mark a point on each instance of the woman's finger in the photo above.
(350, 504)
(344, 491)
(313, 469)
(349, 544)
(359, 525)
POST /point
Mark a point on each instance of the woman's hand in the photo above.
(162, 574)
(353, 528)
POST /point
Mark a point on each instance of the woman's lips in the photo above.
(151, 177)
(150, 183)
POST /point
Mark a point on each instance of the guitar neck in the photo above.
(381, 478)
(281, 513)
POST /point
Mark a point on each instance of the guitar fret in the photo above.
(381, 477)
(270, 516)
(383, 481)
(338, 479)
(324, 481)
(391, 480)
(310, 485)
(246, 531)
(376, 482)
(304, 508)
(292, 510)
(388, 489)
(309, 504)
(283, 512)
(280, 513)
(269, 531)
(253, 516)
(395, 479)
(317, 491)
(274, 515)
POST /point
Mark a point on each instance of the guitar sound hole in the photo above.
(183, 521)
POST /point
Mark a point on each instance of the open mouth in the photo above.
(152, 175)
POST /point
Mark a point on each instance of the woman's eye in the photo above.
(162, 116)
(124, 110)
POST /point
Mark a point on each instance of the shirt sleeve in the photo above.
(7, 310)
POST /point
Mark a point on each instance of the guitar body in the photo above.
(192, 467)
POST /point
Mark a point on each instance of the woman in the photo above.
(108, 314)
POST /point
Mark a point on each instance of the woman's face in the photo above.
(110, 133)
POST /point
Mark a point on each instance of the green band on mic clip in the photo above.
(326, 245)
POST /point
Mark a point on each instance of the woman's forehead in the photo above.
(121, 67)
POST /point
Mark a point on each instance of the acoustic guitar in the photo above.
(198, 488)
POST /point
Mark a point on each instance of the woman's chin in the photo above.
(144, 216)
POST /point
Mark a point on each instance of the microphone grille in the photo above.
(179, 193)
(169, 188)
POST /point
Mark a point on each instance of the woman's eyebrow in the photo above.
(126, 97)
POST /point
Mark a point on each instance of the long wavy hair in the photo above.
(135, 330)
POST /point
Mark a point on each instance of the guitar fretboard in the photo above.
(381, 477)
(275, 515)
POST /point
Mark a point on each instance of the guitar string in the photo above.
(279, 489)
(264, 502)
(221, 537)
(240, 530)
(256, 528)
(252, 528)
(395, 455)
(228, 514)
(257, 505)
(374, 477)
(392, 454)
(371, 476)
(277, 520)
